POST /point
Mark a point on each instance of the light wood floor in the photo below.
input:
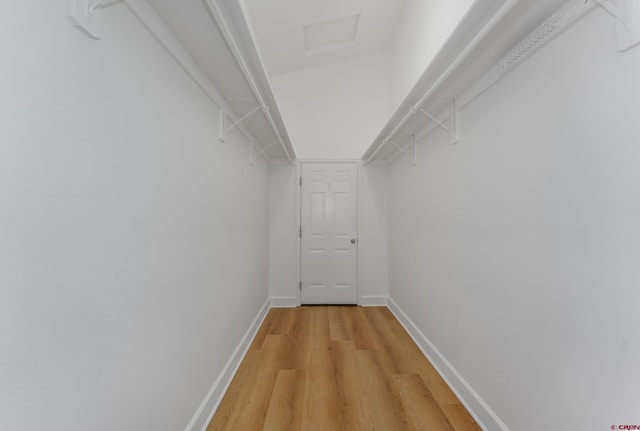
(337, 368)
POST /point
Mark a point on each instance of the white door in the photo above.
(329, 244)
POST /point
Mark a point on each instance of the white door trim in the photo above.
(298, 263)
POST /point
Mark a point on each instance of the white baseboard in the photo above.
(284, 301)
(486, 418)
(374, 301)
(205, 412)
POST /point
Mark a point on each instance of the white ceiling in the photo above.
(278, 27)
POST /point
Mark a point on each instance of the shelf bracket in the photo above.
(627, 13)
(453, 131)
(414, 149)
(254, 152)
(224, 114)
(85, 14)
(613, 10)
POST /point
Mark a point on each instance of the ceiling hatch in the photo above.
(330, 35)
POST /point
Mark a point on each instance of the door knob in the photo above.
(353, 240)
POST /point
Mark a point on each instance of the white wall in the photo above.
(283, 240)
(373, 248)
(423, 28)
(334, 111)
(133, 245)
(516, 251)
(283, 278)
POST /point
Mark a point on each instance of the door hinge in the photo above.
(300, 232)
(300, 180)
(300, 285)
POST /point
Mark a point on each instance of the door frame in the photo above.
(359, 163)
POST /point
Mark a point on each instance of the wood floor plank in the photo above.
(337, 368)
(352, 410)
(395, 355)
(287, 402)
(322, 408)
(256, 405)
(300, 340)
(337, 327)
(319, 367)
(383, 406)
(420, 408)
(321, 415)
(264, 330)
(360, 330)
(459, 417)
(282, 321)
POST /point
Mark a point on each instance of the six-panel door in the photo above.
(329, 226)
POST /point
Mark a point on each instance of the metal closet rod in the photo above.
(447, 73)
(235, 51)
